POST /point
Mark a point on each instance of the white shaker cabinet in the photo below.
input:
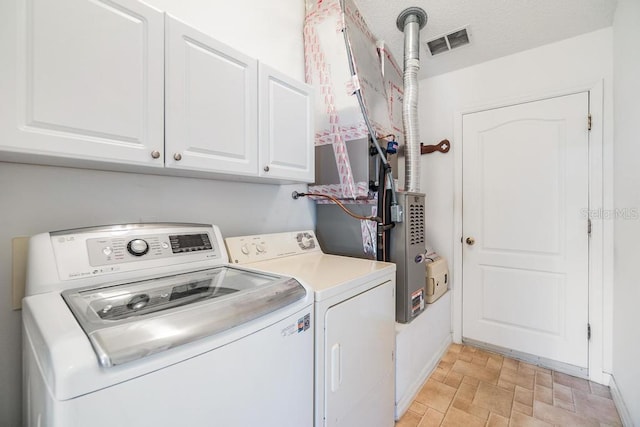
(118, 85)
(83, 80)
(286, 127)
(211, 104)
(228, 115)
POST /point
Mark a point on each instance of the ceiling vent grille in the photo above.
(449, 41)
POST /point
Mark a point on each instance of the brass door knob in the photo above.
(470, 241)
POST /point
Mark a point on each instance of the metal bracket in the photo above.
(443, 147)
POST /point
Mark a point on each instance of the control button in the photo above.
(245, 249)
(107, 250)
(165, 245)
(260, 248)
(138, 247)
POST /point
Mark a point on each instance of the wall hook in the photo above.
(442, 147)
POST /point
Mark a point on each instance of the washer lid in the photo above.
(129, 321)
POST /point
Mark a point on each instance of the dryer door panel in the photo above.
(359, 371)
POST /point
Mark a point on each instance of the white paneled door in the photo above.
(525, 228)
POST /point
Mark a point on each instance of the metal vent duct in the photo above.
(411, 21)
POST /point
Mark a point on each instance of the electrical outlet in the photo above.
(19, 250)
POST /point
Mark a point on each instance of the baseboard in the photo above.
(414, 388)
(565, 368)
(623, 411)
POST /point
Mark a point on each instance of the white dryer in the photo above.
(354, 329)
(148, 325)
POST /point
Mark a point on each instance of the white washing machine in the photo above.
(354, 329)
(148, 325)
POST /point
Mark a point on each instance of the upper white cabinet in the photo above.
(116, 84)
(211, 104)
(88, 82)
(227, 114)
(286, 127)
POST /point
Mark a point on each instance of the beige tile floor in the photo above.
(472, 387)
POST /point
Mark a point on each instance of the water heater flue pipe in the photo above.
(411, 21)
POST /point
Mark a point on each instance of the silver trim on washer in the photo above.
(162, 322)
(130, 226)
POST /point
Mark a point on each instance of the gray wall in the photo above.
(35, 199)
(626, 296)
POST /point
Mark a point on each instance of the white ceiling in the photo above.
(496, 27)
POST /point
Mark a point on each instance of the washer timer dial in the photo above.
(138, 247)
(305, 241)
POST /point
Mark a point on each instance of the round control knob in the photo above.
(305, 241)
(245, 249)
(260, 248)
(138, 247)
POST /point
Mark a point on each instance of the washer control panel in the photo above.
(112, 250)
(262, 247)
(97, 251)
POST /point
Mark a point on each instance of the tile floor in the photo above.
(473, 387)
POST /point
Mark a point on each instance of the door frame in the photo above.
(601, 240)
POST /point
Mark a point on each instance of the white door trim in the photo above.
(600, 244)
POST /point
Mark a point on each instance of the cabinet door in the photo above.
(286, 127)
(85, 80)
(211, 99)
